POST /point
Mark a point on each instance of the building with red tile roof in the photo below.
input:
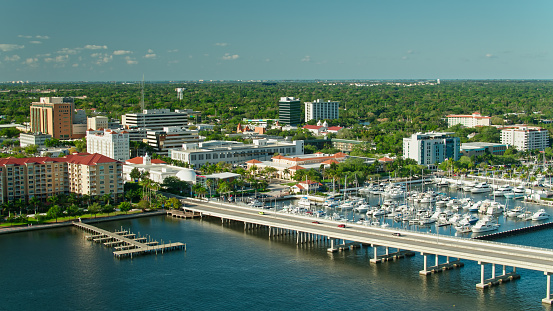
(41, 177)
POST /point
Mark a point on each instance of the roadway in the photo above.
(456, 247)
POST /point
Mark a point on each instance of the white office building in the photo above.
(321, 110)
(430, 148)
(171, 137)
(155, 119)
(473, 120)
(524, 137)
(110, 143)
(213, 152)
(27, 139)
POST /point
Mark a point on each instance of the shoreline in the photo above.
(9, 230)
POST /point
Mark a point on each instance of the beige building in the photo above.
(473, 120)
(524, 137)
(97, 123)
(42, 177)
(54, 116)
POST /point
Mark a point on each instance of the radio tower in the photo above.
(142, 94)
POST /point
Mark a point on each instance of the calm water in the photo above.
(225, 268)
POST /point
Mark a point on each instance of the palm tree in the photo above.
(209, 183)
(286, 173)
(34, 202)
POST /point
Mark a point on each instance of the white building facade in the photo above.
(430, 148)
(172, 137)
(155, 119)
(524, 137)
(213, 152)
(109, 143)
(473, 120)
(321, 110)
(33, 139)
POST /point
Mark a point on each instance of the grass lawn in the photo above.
(34, 221)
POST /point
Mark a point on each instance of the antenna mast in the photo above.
(142, 94)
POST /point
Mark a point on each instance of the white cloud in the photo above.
(150, 51)
(221, 44)
(31, 61)
(95, 47)
(67, 51)
(307, 58)
(13, 58)
(35, 42)
(75, 65)
(227, 56)
(130, 61)
(10, 47)
(173, 51)
(121, 52)
(490, 56)
(57, 59)
(404, 57)
(42, 37)
(153, 55)
(26, 37)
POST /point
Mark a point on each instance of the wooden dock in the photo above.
(126, 244)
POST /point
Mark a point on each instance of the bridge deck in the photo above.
(477, 250)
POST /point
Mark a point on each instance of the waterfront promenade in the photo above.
(486, 253)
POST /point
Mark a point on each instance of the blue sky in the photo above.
(72, 40)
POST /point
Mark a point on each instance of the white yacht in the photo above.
(484, 225)
(481, 188)
(304, 202)
(517, 210)
(256, 203)
(363, 208)
(501, 191)
(540, 215)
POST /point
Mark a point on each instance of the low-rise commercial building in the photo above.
(213, 152)
(38, 139)
(481, 148)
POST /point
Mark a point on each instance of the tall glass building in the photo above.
(289, 111)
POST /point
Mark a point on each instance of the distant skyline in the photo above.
(61, 40)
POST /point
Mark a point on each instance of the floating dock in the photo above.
(126, 245)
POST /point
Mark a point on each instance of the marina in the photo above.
(125, 244)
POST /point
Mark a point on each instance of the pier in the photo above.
(407, 243)
(126, 244)
(501, 234)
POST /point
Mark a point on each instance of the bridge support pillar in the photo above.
(547, 298)
(439, 267)
(270, 230)
(495, 280)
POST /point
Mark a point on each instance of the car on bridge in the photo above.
(396, 234)
(341, 225)
(316, 222)
(261, 213)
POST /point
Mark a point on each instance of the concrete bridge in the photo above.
(486, 253)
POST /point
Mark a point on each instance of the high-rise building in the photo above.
(155, 119)
(430, 148)
(54, 116)
(321, 110)
(289, 111)
(110, 143)
(524, 137)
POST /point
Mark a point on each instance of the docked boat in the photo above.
(463, 228)
(513, 195)
(468, 219)
(442, 183)
(257, 204)
(501, 191)
(484, 225)
(363, 208)
(540, 215)
(304, 202)
(517, 210)
(481, 188)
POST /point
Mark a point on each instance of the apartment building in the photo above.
(42, 177)
(113, 144)
(97, 123)
(524, 137)
(473, 120)
(321, 110)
